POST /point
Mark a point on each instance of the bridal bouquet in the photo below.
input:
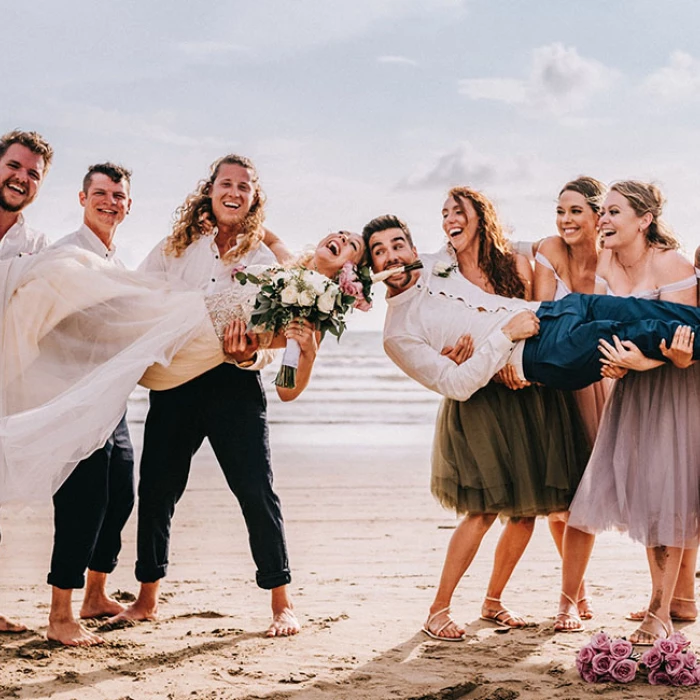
(604, 659)
(671, 662)
(296, 292)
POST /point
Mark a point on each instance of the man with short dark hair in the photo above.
(25, 158)
(94, 503)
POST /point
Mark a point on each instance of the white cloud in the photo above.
(678, 81)
(205, 49)
(466, 165)
(398, 60)
(560, 82)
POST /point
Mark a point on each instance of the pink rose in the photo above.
(236, 269)
(588, 675)
(600, 642)
(690, 661)
(621, 649)
(680, 640)
(685, 677)
(697, 674)
(586, 654)
(624, 670)
(674, 663)
(602, 662)
(361, 304)
(651, 658)
(657, 677)
(665, 646)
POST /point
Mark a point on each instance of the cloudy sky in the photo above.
(351, 110)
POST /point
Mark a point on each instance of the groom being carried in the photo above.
(552, 343)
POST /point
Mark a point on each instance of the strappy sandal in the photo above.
(654, 636)
(437, 633)
(580, 627)
(639, 616)
(586, 614)
(503, 616)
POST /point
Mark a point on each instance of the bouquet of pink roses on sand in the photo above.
(671, 662)
(605, 660)
(287, 293)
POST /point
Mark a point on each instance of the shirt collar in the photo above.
(406, 296)
(94, 244)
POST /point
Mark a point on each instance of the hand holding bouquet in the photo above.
(297, 292)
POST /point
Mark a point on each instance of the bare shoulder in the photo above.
(554, 249)
(670, 266)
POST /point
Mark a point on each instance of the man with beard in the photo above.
(25, 158)
(93, 505)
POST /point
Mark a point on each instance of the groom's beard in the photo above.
(13, 208)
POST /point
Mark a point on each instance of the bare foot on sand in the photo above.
(136, 612)
(10, 626)
(284, 624)
(100, 606)
(72, 634)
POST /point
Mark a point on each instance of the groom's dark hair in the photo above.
(116, 173)
(384, 223)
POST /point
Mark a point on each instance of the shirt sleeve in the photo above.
(262, 359)
(154, 262)
(414, 356)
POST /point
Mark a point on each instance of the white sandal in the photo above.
(436, 634)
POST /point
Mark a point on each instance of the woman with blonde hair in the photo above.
(643, 475)
(511, 450)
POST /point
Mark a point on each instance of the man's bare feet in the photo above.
(71, 633)
(284, 624)
(102, 606)
(10, 626)
(136, 612)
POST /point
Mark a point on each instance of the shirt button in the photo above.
(216, 256)
(213, 280)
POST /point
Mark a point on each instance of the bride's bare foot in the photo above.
(10, 626)
(71, 633)
(284, 624)
(100, 606)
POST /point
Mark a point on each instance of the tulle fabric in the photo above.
(644, 473)
(591, 402)
(77, 334)
(515, 453)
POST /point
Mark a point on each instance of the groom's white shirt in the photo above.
(86, 239)
(435, 313)
(21, 239)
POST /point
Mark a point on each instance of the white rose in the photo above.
(289, 295)
(318, 281)
(307, 297)
(280, 275)
(326, 301)
(440, 268)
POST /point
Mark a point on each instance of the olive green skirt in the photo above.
(515, 453)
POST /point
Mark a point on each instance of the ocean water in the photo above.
(353, 383)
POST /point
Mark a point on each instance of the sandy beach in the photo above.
(366, 544)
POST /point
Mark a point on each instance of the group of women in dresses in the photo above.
(520, 451)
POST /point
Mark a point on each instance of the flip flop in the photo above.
(654, 636)
(436, 634)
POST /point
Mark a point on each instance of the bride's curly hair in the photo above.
(195, 218)
(496, 258)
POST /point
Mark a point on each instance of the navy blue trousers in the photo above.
(90, 511)
(227, 405)
(565, 354)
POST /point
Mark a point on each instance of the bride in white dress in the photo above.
(76, 336)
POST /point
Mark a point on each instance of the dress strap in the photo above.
(679, 286)
(697, 271)
(539, 257)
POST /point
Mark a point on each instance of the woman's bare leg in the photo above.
(576, 552)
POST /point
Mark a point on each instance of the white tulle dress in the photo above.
(76, 336)
(643, 476)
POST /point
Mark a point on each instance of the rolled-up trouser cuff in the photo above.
(66, 582)
(270, 581)
(150, 575)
